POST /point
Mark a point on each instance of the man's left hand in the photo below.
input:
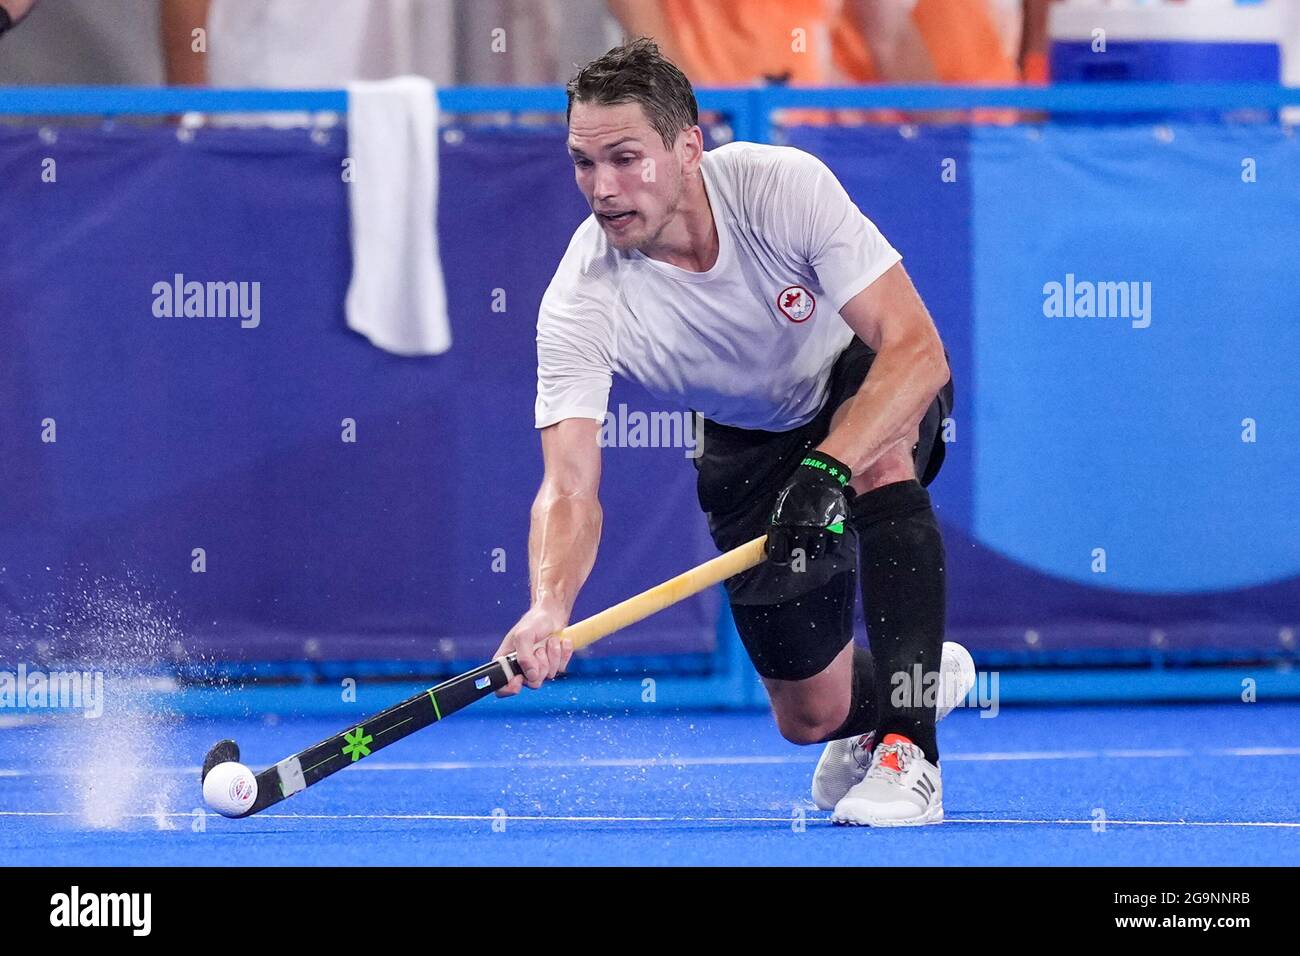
(811, 510)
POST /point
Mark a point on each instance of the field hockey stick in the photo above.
(307, 767)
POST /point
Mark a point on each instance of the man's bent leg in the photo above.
(821, 686)
(903, 595)
(808, 711)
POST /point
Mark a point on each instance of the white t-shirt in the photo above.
(750, 342)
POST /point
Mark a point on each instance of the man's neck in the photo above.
(690, 241)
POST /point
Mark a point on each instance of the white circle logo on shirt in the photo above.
(796, 303)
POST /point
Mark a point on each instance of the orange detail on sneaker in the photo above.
(890, 758)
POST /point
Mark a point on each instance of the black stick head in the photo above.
(221, 752)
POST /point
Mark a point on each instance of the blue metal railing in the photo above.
(1062, 97)
(750, 109)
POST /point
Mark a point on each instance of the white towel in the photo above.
(397, 298)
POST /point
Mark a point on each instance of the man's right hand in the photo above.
(541, 655)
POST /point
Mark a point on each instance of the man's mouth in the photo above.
(617, 218)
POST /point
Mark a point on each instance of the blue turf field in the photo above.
(1194, 784)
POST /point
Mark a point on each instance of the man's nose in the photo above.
(605, 185)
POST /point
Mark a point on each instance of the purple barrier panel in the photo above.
(176, 434)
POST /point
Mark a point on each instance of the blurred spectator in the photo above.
(737, 42)
(281, 43)
(878, 41)
(815, 42)
(960, 42)
(545, 40)
(99, 43)
(1033, 54)
(821, 42)
(922, 41)
(296, 44)
(11, 11)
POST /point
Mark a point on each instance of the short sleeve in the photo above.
(843, 246)
(573, 360)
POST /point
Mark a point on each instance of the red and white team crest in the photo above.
(796, 303)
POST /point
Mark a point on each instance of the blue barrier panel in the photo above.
(1155, 420)
(1123, 434)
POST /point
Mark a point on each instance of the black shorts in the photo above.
(793, 623)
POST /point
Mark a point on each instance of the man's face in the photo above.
(632, 182)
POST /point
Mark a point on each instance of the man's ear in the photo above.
(691, 142)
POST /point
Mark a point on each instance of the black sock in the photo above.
(902, 577)
(862, 700)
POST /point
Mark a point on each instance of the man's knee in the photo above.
(809, 711)
(898, 463)
(806, 727)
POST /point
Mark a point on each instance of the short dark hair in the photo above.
(637, 72)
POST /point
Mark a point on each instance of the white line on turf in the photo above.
(526, 763)
(542, 818)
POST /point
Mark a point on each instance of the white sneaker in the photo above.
(844, 763)
(901, 789)
(956, 678)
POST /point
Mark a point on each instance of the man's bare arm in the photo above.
(896, 44)
(182, 66)
(1034, 42)
(13, 11)
(909, 369)
(563, 537)
(566, 515)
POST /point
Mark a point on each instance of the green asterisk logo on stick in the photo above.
(358, 744)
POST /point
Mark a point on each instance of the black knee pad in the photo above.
(798, 638)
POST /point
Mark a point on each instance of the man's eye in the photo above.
(625, 160)
(582, 163)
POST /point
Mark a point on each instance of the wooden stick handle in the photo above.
(634, 609)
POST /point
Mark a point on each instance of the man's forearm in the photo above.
(1034, 41)
(181, 64)
(562, 544)
(896, 45)
(11, 11)
(898, 389)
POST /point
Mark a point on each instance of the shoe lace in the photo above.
(889, 760)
